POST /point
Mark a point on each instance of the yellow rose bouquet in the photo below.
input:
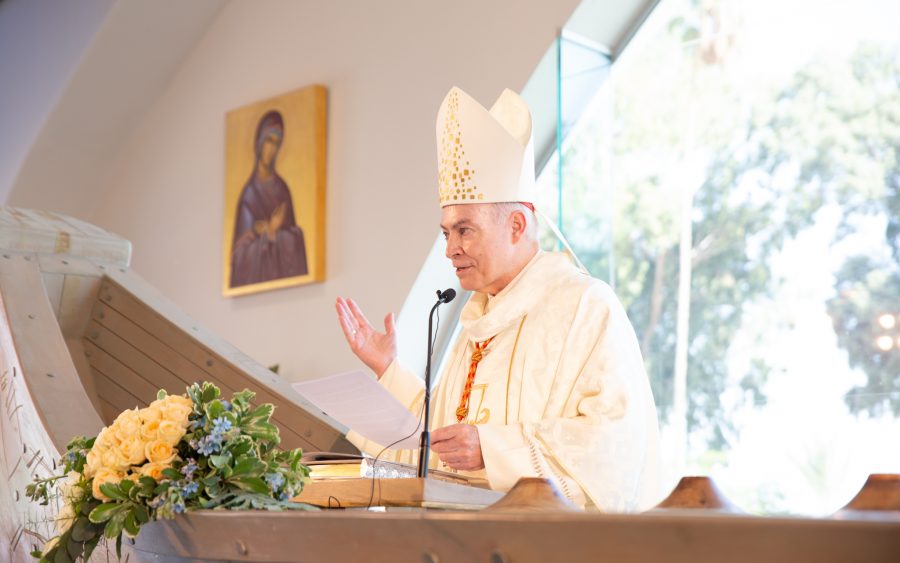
(182, 452)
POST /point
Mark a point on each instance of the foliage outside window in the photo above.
(739, 175)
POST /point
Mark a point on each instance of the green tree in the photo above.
(761, 168)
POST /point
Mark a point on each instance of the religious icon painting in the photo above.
(275, 193)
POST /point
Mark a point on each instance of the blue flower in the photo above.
(221, 425)
(190, 488)
(210, 444)
(178, 507)
(189, 468)
(156, 502)
(275, 480)
(226, 404)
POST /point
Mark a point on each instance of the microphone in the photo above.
(445, 296)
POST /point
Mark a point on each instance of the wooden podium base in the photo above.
(409, 492)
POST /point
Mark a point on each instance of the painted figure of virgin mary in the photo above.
(268, 244)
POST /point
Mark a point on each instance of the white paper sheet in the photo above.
(356, 400)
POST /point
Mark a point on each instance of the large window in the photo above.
(737, 180)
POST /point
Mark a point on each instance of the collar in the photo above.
(484, 316)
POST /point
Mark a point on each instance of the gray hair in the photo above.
(502, 211)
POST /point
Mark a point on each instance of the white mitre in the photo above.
(484, 156)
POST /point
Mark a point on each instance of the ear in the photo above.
(518, 224)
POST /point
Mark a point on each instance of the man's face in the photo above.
(480, 247)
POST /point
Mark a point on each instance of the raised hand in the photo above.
(377, 350)
(459, 446)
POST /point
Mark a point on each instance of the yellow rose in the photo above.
(170, 432)
(109, 459)
(149, 430)
(93, 462)
(104, 476)
(127, 425)
(159, 451)
(153, 470)
(150, 414)
(105, 439)
(131, 451)
(179, 400)
(179, 415)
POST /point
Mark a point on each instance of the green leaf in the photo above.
(141, 514)
(82, 530)
(220, 461)
(247, 465)
(209, 392)
(89, 548)
(115, 524)
(172, 474)
(126, 485)
(212, 489)
(131, 525)
(61, 555)
(161, 394)
(253, 484)
(74, 548)
(214, 410)
(243, 398)
(262, 431)
(241, 445)
(113, 491)
(147, 485)
(262, 412)
(104, 512)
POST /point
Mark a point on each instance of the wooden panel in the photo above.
(148, 345)
(53, 283)
(46, 365)
(122, 375)
(78, 297)
(143, 376)
(50, 234)
(76, 351)
(42, 405)
(109, 411)
(416, 536)
(116, 395)
(135, 357)
(317, 433)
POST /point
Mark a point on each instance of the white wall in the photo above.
(387, 65)
(41, 42)
(121, 72)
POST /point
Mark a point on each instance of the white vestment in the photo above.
(561, 392)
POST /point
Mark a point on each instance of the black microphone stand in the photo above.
(425, 443)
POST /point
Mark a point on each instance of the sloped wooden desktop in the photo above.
(82, 337)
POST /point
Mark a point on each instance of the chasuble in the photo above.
(560, 390)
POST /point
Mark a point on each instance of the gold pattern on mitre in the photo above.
(484, 156)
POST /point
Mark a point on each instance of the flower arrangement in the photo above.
(182, 452)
